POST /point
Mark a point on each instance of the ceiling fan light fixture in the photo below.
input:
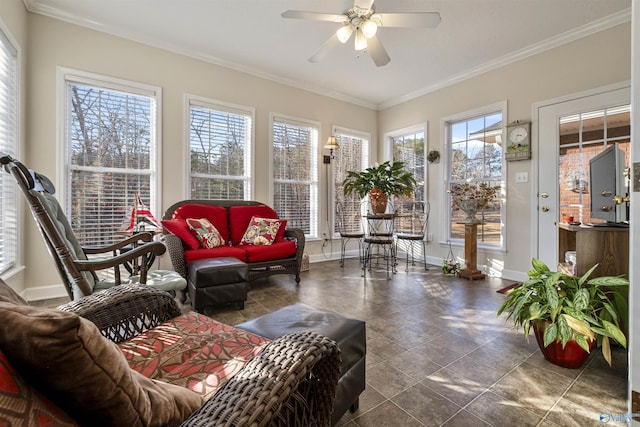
(344, 33)
(369, 29)
(361, 41)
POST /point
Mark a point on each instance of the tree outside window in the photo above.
(353, 155)
(220, 140)
(111, 149)
(409, 148)
(295, 171)
(475, 156)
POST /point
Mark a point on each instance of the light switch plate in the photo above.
(522, 177)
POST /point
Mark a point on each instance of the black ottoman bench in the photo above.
(349, 334)
(217, 281)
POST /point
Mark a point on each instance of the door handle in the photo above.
(545, 208)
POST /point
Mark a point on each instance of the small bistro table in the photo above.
(471, 271)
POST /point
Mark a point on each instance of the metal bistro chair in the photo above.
(379, 239)
(411, 226)
(349, 228)
(77, 271)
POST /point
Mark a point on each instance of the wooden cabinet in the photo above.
(606, 246)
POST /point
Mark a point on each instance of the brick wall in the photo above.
(575, 195)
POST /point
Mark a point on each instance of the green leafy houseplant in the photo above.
(390, 178)
(572, 307)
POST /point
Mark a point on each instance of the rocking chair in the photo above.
(77, 271)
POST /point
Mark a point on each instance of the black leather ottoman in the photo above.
(349, 334)
(217, 281)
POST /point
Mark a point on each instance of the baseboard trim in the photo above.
(45, 292)
(58, 291)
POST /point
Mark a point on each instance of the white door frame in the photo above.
(634, 273)
(537, 130)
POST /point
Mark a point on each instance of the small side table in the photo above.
(471, 271)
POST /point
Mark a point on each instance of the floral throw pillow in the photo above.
(208, 235)
(261, 231)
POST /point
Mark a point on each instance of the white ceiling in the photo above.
(251, 36)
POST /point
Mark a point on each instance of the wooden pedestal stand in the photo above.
(471, 271)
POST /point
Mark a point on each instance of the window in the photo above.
(582, 137)
(220, 147)
(111, 153)
(8, 145)
(295, 172)
(475, 156)
(409, 147)
(353, 155)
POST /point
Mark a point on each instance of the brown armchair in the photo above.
(240, 379)
(291, 382)
(77, 271)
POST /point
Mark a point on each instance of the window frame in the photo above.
(12, 225)
(68, 76)
(339, 131)
(224, 107)
(314, 190)
(419, 128)
(445, 125)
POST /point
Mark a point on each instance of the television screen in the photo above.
(606, 175)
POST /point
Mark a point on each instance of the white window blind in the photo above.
(475, 156)
(353, 155)
(220, 140)
(111, 156)
(295, 170)
(409, 149)
(8, 145)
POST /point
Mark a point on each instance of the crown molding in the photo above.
(550, 43)
(34, 7)
(534, 49)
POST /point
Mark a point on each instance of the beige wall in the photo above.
(593, 61)
(14, 21)
(48, 44)
(54, 43)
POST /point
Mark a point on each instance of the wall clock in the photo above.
(518, 141)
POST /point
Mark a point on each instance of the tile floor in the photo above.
(437, 355)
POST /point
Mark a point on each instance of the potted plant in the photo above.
(471, 198)
(570, 314)
(380, 181)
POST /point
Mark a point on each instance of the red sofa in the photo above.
(231, 218)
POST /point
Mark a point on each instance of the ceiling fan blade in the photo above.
(417, 19)
(363, 4)
(377, 52)
(314, 16)
(326, 47)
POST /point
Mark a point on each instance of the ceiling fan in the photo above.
(363, 20)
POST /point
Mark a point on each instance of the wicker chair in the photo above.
(77, 271)
(291, 382)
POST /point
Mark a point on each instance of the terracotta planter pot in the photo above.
(572, 356)
(378, 200)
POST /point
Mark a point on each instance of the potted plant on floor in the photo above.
(570, 314)
(380, 182)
